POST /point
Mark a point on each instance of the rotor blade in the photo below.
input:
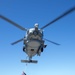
(52, 42)
(17, 41)
(13, 23)
(61, 16)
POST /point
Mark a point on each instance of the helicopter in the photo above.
(33, 41)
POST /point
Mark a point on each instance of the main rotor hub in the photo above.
(36, 25)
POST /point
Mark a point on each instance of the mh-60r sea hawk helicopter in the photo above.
(34, 43)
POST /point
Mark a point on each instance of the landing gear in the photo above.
(41, 49)
(24, 48)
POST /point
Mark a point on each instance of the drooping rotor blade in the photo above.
(61, 16)
(51, 42)
(17, 41)
(13, 23)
